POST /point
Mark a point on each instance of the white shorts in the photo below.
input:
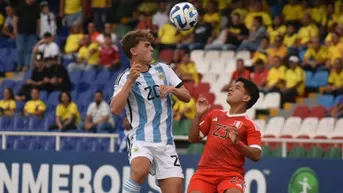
(164, 160)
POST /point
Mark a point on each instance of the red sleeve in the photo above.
(247, 74)
(234, 75)
(254, 136)
(205, 124)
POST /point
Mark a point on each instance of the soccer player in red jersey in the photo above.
(231, 136)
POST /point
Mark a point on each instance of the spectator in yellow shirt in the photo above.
(307, 31)
(168, 36)
(335, 50)
(257, 33)
(71, 10)
(261, 53)
(73, 41)
(67, 113)
(8, 104)
(292, 11)
(276, 29)
(187, 70)
(339, 30)
(212, 16)
(315, 56)
(277, 49)
(276, 76)
(34, 107)
(257, 12)
(88, 56)
(290, 39)
(294, 81)
(184, 110)
(335, 81)
(318, 12)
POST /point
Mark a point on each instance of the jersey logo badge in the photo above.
(135, 149)
(215, 119)
(160, 76)
(237, 124)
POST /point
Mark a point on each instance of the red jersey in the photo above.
(220, 154)
(108, 55)
(244, 74)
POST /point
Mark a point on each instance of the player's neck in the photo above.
(239, 109)
(145, 66)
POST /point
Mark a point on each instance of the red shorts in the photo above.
(214, 181)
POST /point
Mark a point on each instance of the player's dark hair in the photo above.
(251, 89)
(133, 38)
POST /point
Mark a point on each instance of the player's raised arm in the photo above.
(199, 129)
(253, 149)
(122, 89)
(175, 86)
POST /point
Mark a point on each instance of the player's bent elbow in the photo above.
(256, 158)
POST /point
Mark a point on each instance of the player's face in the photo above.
(144, 51)
(236, 94)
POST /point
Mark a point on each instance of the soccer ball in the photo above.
(183, 16)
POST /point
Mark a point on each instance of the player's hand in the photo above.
(164, 90)
(135, 71)
(202, 106)
(233, 134)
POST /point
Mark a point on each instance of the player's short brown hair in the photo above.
(131, 39)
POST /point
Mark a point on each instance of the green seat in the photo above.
(196, 148)
(277, 152)
(176, 128)
(315, 152)
(121, 30)
(297, 152)
(185, 124)
(333, 153)
(266, 151)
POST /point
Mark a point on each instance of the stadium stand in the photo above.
(314, 111)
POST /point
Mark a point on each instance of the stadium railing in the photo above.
(114, 137)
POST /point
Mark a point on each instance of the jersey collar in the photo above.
(236, 115)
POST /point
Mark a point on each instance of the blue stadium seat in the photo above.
(100, 147)
(10, 144)
(68, 145)
(4, 123)
(20, 106)
(49, 145)
(104, 76)
(337, 99)
(309, 76)
(74, 95)
(8, 84)
(84, 146)
(33, 123)
(36, 145)
(43, 95)
(27, 74)
(18, 85)
(53, 98)
(320, 78)
(19, 123)
(326, 100)
(75, 77)
(46, 122)
(88, 76)
(21, 144)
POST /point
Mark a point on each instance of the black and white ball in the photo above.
(183, 16)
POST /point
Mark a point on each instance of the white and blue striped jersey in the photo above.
(150, 116)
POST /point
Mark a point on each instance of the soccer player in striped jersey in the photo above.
(145, 90)
(231, 136)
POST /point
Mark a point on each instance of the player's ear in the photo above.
(246, 98)
(133, 52)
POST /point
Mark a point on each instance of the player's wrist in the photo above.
(239, 144)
